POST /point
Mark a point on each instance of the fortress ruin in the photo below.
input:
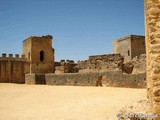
(37, 65)
(126, 67)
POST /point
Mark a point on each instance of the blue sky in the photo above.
(80, 28)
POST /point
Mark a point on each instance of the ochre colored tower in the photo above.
(39, 53)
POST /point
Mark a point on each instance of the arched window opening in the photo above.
(42, 56)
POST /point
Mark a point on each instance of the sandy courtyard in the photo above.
(42, 102)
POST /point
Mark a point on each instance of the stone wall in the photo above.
(32, 79)
(106, 62)
(138, 46)
(113, 62)
(67, 66)
(139, 64)
(110, 78)
(152, 31)
(13, 69)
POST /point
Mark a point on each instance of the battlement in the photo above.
(17, 57)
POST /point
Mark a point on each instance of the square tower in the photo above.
(130, 46)
(40, 54)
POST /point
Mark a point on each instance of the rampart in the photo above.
(13, 69)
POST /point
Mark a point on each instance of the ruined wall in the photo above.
(67, 66)
(152, 31)
(110, 78)
(139, 64)
(40, 53)
(101, 63)
(13, 69)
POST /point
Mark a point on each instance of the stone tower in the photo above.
(39, 54)
(130, 46)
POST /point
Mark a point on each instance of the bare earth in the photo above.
(42, 102)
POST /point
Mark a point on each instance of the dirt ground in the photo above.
(42, 102)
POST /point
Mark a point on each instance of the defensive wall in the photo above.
(109, 78)
(13, 69)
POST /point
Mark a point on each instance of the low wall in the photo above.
(111, 79)
(117, 79)
(32, 79)
(75, 79)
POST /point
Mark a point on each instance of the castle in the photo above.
(13, 69)
(125, 67)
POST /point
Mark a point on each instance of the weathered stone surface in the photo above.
(107, 62)
(99, 81)
(13, 69)
(67, 66)
(155, 48)
(139, 64)
(152, 17)
(39, 52)
(32, 79)
(127, 68)
(130, 46)
(156, 108)
(110, 78)
(157, 99)
(156, 91)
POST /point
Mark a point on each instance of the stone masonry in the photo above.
(152, 31)
(109, 78)
(66, 66)
(40, 54)
(13, 69)
(38, 60)
(38, 57)
(99, 63)
(130, 46)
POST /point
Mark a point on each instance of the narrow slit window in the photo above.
(29, 55)
(41, 56)
(128, 53)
